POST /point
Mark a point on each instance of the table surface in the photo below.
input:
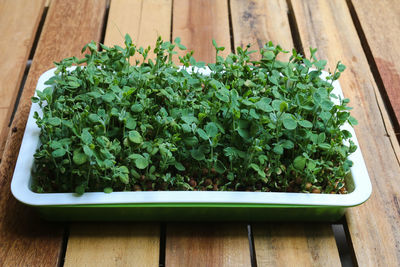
(363, 34)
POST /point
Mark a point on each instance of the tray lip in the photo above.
(20, 185)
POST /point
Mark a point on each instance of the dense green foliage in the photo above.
(250, 125)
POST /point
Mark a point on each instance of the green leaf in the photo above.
(326, 105)
(269, 55)
(223, 95)
(108, 190)
(249, 83)
(130, 123)
(197, 154)
(305, 124)
(276, 104)
(321, 138)
(135, 137)
(109, 97)
(128, 40)
(287, 144)
(264, 104)
(289, 122)
(54, 121)
(325, 116)
(311, 165)
(191, 141)
(124, 178)
(141, 162)
(86, 137)
(254, 114)
(325, 146)
(88, 152)
(299, 162)
(278, 149)
(179, 166)
(79, 158)
(73, 84)
(58, 152)
(352, 121)
(255, 167)
(202, 134)
(137, 107)
(211, 129)
(80, 189)
(94, 117)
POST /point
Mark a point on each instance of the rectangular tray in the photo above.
(184, 205)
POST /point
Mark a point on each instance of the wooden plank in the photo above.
(113, 245)
(207, 245)
(299, 245)
(375, 225)
(123, 244)
(380, 22)
(18, 24)
(25, 239)
(197, 22)
(144, 21)
(257, 22)
(3, 127)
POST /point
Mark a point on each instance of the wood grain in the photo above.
(113, 244)
(375, 225)
(295, 245)
(18, 23)
(197, 22)
(257, 22)
(380, 22)
(24, 239)
(207, 245)
(123, 244)
(143, 20)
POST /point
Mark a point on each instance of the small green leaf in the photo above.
(137, 107)
(80, 189)
(197, 154)
(211, 129)
(135, 137)
(326, 105)
(269, 55)
(108, 190)
(179, 166)
(94, 117)
(79, 158)
(305, 124)
(202, 134)
(54, 121)
(278, 149)
(130, 123)
(325, 146)
(353, 121)
(141, 162)
(86, 137)
(289, 122)
(88, 152)
(58, 152)
(299, 162)
(321, 138)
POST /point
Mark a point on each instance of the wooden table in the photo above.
(363, 34)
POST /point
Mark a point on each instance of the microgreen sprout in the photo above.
(263, 125)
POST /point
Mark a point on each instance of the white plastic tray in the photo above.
(21, 181)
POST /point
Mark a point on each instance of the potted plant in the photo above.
(238, 138)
